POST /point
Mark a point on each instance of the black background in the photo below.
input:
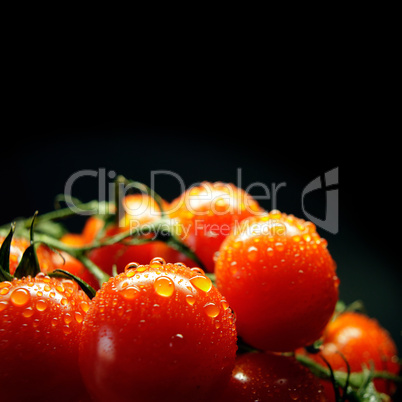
(45, 148)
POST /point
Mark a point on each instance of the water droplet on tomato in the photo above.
(3, 305)
(190, 299)
(60, 288)
(131, 265)
(41, 305)
(164, 286)
(130, 273)
(158, 260)
(64, 301)
(279, 246)
(202, 282)
(130, 292)
(212, 310)
(68, 318)
(252, 253)
(225, 304)
(78, 317)
(198, 270)
(142, 268)
(20, 297)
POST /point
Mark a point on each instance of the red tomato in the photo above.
(158, 332)
(206, 214)
(140, 209)
(361, 340)
(266, 377)
(280, 280)
(40, 325)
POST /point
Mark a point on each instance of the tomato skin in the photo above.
(280, 280)
(267, 376)
(206, 214)
(151, 334)
(40, 325)
(361, 340)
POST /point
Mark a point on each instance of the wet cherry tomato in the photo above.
(158, 332)
(40, 325)
(362, 341)
(280, 279)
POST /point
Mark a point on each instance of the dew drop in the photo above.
(5, 284)
(68, 318)
(60, 288)
(130, 274)
(78, 317)
(3, 305)
(84, 306)
(67, 330)
(279, 246)
(41, 305)
(306, 237)
(158, 260)
(131, 265)
(190, 299)
(142, 268)
(202, 282)
(252, 253)
(20, 297)
(130, 292)
(225, 304)
(164, 286)
(198, 270)
(64, 301)
(4, 291)
(212, 310)
(270, 251)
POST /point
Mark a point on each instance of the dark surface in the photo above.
(44, 154)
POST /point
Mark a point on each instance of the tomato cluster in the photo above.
(209, 297)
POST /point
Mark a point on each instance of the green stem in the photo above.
(355, 379)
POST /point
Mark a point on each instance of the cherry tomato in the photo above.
(207, 213)
(140, 209)
(361, 340)
(158, 332)
(40, 325)
(280, 279)
(267, 376)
